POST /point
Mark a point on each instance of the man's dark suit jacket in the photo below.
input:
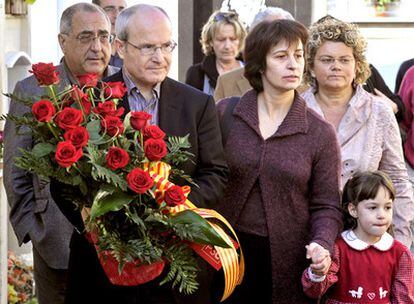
(182, 110)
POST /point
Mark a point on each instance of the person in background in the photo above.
(144, 42)
(222, 39)
(376, 85)
(85, 41)
(112, 8)
(407, 125)
(283, 188)
(368, 265)
(401, 73)
(366, 127)
(234, 83)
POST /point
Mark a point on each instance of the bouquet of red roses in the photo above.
(124, 171)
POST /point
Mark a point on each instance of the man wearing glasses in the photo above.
(112, 8)
(85, 40)
(144, 42)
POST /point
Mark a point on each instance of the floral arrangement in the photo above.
(123, 173)
(19, 281)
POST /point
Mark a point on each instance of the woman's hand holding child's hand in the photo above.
(321, 259)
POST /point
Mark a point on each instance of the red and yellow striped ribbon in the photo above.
(233, 266)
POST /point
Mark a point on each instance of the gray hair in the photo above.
(122, 21)
(67, 15)
(274, 12)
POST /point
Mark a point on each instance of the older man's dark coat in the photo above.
(183, 110)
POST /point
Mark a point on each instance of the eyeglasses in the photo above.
(343, 61)
(228, 16)
(88, 38)
(150, 49)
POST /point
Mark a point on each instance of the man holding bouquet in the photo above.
(85, 41)
(144, 42)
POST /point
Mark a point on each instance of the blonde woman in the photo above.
(365, 125)
(222, 39)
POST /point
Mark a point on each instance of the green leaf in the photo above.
(203, 232)
(105, 202)
(42, 149)
(30, 1)
(102, 173)
(94, 127)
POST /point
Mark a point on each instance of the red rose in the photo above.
(81, 98)
(88, 80)
(45, 73)
(69, 118)
(112, 125)
(139, 180)
(78, 136)
(86, 105)
(155, 149)
(153, 132)
(174, 196)
(43, 110)
(139, 119)
(115, 89)
(117, 158)
(67, 154)
(108, 108)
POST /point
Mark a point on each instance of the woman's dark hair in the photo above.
(363, 186)
(261, 39)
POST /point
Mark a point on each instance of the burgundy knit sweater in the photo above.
(298, 170)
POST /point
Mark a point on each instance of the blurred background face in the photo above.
(87, 48)
(334, 66)
(153, 29)
(284, 67)
(225, 43)
(112, 9)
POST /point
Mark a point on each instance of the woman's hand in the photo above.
(321, 259)
(387, 101)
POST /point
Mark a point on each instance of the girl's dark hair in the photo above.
(261, 39)
(363, 186)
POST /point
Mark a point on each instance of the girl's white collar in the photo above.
(385, 243)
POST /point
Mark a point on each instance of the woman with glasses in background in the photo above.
(222, 39)
(365, 125)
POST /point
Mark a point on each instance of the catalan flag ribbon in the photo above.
(227, 258)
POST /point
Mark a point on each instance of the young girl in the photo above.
(368, 265)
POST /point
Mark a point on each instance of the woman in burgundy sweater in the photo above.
(283, 189)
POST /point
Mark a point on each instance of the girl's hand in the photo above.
(321, 259)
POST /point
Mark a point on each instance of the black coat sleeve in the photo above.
(195, 77)
(376, 81)
(63, 195)
(401, 72)
(211, 171)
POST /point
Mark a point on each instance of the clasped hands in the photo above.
(320, 257)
